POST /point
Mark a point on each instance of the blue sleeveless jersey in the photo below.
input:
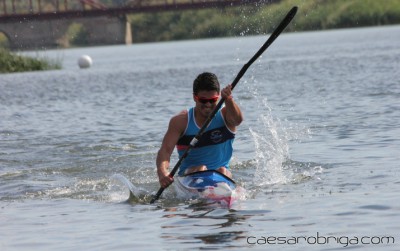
(214, 149)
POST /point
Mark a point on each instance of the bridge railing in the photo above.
(23, 7)
(16, 10)
(12, 7)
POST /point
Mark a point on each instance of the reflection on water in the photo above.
(212, 226)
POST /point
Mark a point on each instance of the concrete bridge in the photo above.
(41, 24)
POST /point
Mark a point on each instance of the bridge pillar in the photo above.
(47, 34)
(107, 30)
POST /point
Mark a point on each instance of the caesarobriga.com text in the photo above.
(319, 239)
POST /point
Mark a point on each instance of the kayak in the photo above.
(209, 185)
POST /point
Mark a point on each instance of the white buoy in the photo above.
(85, 61)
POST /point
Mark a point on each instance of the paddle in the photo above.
(288, 18)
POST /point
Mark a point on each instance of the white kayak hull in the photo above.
(209, 185)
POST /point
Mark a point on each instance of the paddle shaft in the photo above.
(285, 22)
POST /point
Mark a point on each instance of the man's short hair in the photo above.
(206, 81)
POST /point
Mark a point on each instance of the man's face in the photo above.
(206, 101)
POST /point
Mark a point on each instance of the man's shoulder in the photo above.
(181, 115)
(180, 120)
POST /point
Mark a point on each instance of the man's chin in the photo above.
(207, 111)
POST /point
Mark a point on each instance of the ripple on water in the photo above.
(375, 207)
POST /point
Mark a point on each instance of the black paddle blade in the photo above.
(285, 22)
(157, 195)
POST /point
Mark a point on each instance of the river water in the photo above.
(318, 152)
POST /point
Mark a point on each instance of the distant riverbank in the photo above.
(251, 19)
(261, 19)
(12, 62)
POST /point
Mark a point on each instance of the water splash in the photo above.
(136, 194)
(271, 139)
(271, 146)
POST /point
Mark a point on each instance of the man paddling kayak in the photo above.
(231, 115)
(214, 149)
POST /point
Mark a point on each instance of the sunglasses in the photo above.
(206, 100)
